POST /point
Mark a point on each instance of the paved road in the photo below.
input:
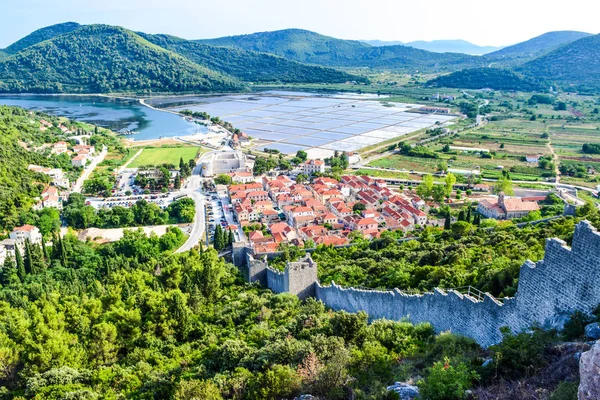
(88, 170)
(194, 189)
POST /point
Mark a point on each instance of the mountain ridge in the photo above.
(314, 48)
(235, 62)
(574, 65)
(101, 59)
(40, 35)
(537, 45)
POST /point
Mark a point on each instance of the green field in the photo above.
(164, 155)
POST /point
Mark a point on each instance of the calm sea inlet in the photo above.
(108, 112)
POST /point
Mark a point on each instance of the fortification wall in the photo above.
(277, 281)
(566, 280)
(549, 291)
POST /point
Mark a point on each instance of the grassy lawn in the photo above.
(164, 155)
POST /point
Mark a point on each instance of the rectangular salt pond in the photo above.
(300, 121)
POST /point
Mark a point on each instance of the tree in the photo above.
(447, 382)
(301, 155)
(449, 183)
(358, 207)
(447, 222)
(197, 390)
(504, 185)
(218, 243)
(438, 193)
(223, 179)
(301, 178)
(425, 188)
(21, 273)
(28, 259)
(231, 238)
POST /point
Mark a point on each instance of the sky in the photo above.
(497, 23)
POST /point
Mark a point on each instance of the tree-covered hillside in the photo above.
(313, 48)
(249, 65)
(294, 44)
(575, 65)
(479, 78)
(40, 35)
(17, 184)
(101, 59)
(3, 55)
(536, 46)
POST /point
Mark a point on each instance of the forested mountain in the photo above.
(3, 55)
(250, 65)
(536, 46)
(40, 35)
(452, 46)
(493, 78)
(101, 59)
(575, 65)
(311, 47)
(294, 44)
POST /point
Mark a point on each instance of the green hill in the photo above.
(310, 47)
(479, 78)
(102, 59)
(250, 65)
(40, 35)
(537, 46)
(294, 44)
(3, 55)
(573, 66)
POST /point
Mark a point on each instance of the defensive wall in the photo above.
(566, 280)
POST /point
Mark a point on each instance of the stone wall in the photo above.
(549, 291)
(566, 280)
(277, 281)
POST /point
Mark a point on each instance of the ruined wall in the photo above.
(565, 281)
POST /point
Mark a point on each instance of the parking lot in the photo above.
(216, 215)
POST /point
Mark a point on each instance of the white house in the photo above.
(79, 161)
(312, 166)
(22, 233)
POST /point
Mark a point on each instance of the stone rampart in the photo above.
(566, 280)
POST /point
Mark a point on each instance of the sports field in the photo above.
(164, 155)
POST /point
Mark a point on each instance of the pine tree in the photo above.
(7, 271)
(231, 238)
(45, 251)
(468, 213)
(447, 222)
(20, 264)
(181, 163)
(477, 219)
(56, 247)
(461, 215)
(28, 259)
(63, 252)
(218, 242)
(177, 182)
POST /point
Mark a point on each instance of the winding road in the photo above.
(87, 171)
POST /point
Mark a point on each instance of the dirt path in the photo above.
(555, 160)
(124, 166)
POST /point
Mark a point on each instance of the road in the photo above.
(87, 171)
(194, 188)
